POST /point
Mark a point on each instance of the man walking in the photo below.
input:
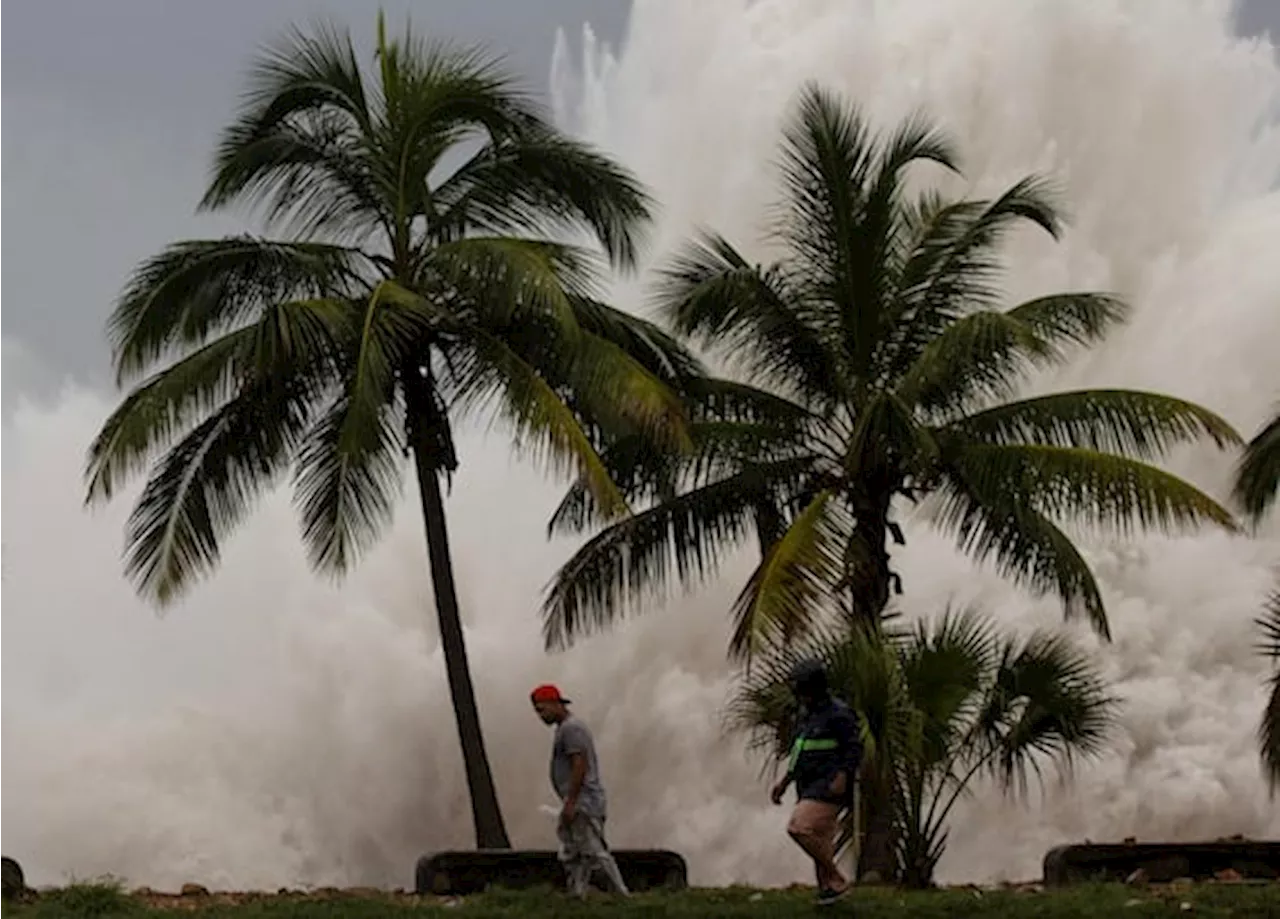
(824, 763)
(575, 775)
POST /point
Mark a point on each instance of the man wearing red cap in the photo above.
(575, 775)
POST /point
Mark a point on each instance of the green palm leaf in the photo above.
(203, 486)
(1047, 701)
(660, 353)
(1269, 728)
(541, 422)
(952, 264)
(635, 558)
(504, 281)
(287, 339)
(199, 288)
(711, 294)
(349, 468)
(549, 184)
(1098, 488)
(792, 587)
(1258, 476)
(1138, 424)
(1081, 319)
(1025, 546)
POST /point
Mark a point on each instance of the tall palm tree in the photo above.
(1256, 487)
(400, 297)
(942, 704)
(881, 365)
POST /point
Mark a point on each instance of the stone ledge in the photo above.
(467, 872)
(1162, 862)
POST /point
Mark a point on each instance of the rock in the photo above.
(14, 882)
(194, 890)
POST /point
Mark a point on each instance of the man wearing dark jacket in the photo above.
(825, 757)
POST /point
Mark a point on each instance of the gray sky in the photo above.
(109, 126)
(110, 112)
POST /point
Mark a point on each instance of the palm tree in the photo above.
(942, 704)
(881, 365)
(1257, 483)
(401, 297)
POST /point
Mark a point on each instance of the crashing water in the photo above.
(274, 730)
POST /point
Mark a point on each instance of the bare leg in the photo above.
(813, 827)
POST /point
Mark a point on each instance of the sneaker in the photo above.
(828, 896)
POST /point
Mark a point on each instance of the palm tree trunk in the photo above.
(871, 588)
(877, 859)
(491, 833)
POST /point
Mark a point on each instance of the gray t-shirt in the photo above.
(572, 736)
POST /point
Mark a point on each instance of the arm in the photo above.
(576, 778)
(780, 787)
(576, 742)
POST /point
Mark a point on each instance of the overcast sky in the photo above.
(110, 109)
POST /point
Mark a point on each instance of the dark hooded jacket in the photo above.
(828, 741)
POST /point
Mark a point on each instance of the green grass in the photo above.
(106, 900)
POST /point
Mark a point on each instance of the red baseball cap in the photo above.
(548, 692)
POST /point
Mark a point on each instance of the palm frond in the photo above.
(609, 383)
(1024, 545)
(1080, 319)
(1138, 424)
(633, 559)
(888, 437)
(952, 264)
(663, 355)
(1102, 489)
(501, 281)
(647, 472)
(350, 466)
(540, 419)
(544, 183)
(198, 288)
(161, 408)
(945, 664)
(202, 487)
(302, 142)
(1269, 733)
(828, 158)
(1258, 475)
(1269, 727)
(977, 359)
(1048, 702)
(437, 92)
(792, 587)
(289, 339)
(711, 294)
(348, 478)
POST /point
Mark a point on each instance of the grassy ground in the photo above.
(1240, 900)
